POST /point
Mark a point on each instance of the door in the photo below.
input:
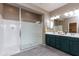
(31, 34)
(58, 40)
(53, 37)
(73, 28)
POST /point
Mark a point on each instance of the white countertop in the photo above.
(68, 34)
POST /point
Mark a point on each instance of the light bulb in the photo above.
(66, 14)
(76, 12)
(52, 18)
(71, 13)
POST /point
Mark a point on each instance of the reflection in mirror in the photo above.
(65, 23)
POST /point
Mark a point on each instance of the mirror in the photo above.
(67, 25)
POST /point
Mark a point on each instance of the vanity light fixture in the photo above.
(66, 14)
(56, 17)
(52, 18)
(71, 13)
(76, 12)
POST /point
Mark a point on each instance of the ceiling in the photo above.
(49, 6)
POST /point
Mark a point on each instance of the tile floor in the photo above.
(42, 50)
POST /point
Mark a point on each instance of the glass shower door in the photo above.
(30, 34)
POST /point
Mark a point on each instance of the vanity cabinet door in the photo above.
(53, 37)
(58, 46)
(47, 39)
(50, 40)
(64, 44)
(74, 46)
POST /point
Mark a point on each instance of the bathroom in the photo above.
(39, 29)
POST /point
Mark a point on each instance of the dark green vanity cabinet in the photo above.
(74, 46)
(47, 37)
(64, 43)
(57, 42)
(50, 40)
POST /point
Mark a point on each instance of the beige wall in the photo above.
(10, 12)
(1, 10)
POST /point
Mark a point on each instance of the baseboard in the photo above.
(44, 44)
